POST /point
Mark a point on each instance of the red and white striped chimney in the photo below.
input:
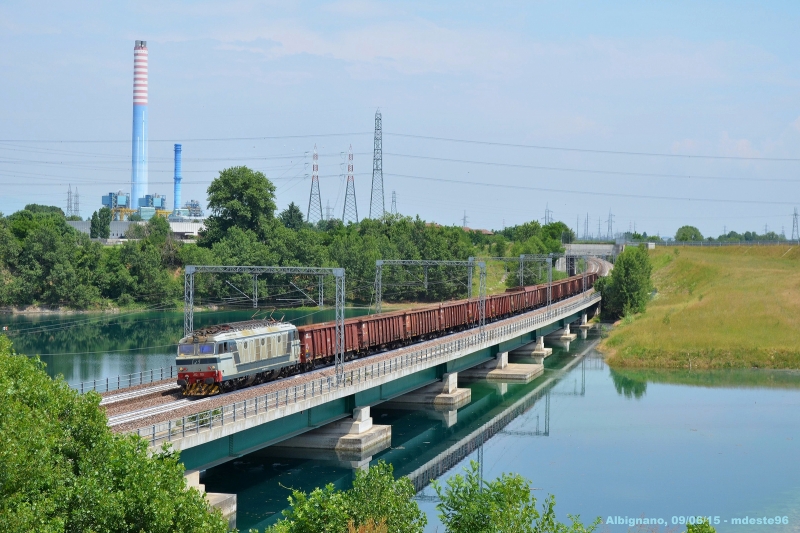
(140, 73)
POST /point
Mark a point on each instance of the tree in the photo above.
(687, 234)
(471, 505)
(37, 208)
(104, 220)
(239, 197)
(292, 217)
(375, 498)
(63, 470)
(94, 226)
(627, 289)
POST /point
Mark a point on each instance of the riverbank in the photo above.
(732, 307)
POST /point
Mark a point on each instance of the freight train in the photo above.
(230, 356)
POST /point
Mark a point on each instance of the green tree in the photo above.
(94, 226)
(242, 198)
(104, 223)
(292, 217)
(375, 496)
(687, 234)
(63, 470)
(627, 289)
(471, 505)
(37, 208)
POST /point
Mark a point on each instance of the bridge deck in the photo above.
(367, 381)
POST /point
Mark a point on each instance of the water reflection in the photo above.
(627, 386)
(426, 442)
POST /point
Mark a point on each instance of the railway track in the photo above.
(136, 394)
(124, 418)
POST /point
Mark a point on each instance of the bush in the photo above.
(62, 470)
(376, 502)
(472, 505)
(627, 289)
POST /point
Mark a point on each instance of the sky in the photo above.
(657, 113)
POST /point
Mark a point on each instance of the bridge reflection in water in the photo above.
(426, 443)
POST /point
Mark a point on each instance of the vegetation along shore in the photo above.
(713, 308)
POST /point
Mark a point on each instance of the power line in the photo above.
(261, 138)
(592, 151)
(588, 193)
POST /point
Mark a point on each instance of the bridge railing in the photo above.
(179, 428)
(127, 380)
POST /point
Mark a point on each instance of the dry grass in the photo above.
(728, 307)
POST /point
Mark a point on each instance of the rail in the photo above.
(180, 427)
(127, 380)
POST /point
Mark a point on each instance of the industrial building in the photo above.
(140, 201)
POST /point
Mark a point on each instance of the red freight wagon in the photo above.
(363, 334)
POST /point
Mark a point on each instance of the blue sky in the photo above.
(715, 79)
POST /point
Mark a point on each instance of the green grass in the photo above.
(727, 307)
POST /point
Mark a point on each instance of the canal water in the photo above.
(656, 445)
(613, 444)
(85, 347)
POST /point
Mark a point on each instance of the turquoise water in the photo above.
(609, 444)
(655, 444)
(85, 347)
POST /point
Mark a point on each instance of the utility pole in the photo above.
(376, 205)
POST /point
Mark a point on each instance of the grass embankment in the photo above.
(727, 307)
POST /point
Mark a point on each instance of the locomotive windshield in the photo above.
(188, 349)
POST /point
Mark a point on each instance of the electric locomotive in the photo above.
(227, 357)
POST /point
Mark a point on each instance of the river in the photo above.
(615, 444)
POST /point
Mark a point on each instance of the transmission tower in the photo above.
(795, 227)
(464, 220)
(548, 215)
(69, 201)
(76, 204)
(586, 228)
(350, 212)
(598, 228)
(328, 211)
(394, 203)
(376, 205)
(314, 199)
(610, 225)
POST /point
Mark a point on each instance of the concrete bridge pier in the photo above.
(226, 503)
(444, 394)
(499, 369)
(565, 335)
(355, 436)
(535, 350)
(584, 325)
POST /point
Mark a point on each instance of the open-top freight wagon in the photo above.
(226, 357)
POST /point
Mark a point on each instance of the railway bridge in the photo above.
(317, 410)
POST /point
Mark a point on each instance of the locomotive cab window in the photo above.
(186, 349)
(207, 348)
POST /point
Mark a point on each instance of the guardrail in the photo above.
(127, 380)
(724, 243)
(180, 427)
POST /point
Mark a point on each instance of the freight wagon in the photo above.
(230, 356)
